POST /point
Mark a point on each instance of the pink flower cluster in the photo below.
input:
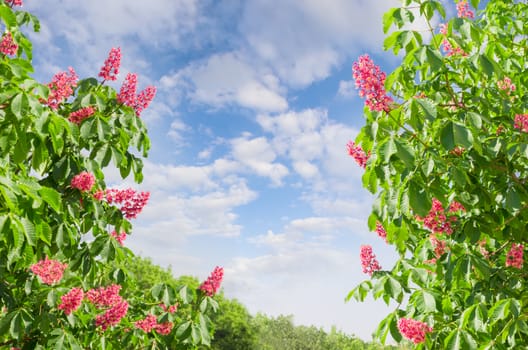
(171, 309)
(437, 220)
(110, 69)
(380, 230)
(119, 237)
(151, 323)
(521, 122)
(463, 10)
(83, 181)
(78, 116)
(449, 49)
(506, 85)
(127, 94)
(108, 298)
(514, 257)
(369, 263)
(356, 152)
(7, 45)
(61, 87)
(439, 247)
(14, 2)
(212, 284)
(413, 330)
(50, 271)
(370, 80)
(72, 300)
(131, 202)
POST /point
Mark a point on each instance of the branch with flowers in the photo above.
(63, 256)
(447, 164)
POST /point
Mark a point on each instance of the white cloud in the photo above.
(347, 88)
(258, 155)
(228, 78)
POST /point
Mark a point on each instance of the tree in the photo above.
(64, 270)
(445, 151)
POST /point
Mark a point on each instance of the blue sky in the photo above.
(248, 167)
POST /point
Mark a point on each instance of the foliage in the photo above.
(56, 214)
(448, 164)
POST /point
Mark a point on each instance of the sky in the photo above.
(248, 167)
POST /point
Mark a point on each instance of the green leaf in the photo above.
(419, 199)
(52, 197)
(454, 134)
(428, 107)
(20, 105)
(388, 149)
(435, 59)
(8, 17)
(405, 153)
(499, 311)
(454, 340)
(29, 231)
(486, 65)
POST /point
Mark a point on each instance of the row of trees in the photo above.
(234, 328)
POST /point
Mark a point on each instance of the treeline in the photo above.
(234, 328)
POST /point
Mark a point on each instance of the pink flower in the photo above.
(8, 46)
(413, 330)
(83, 181)
(144, 98)
(71, 301)
(102, 296)
(14, 2)
(437, 220)
(358, 154)
(514, 258)
(463, 10)
(131, 202)
(98, 195)
(370, 80)
(212, 284)
(120, 238)
(113, 315)
(78, 116)
(127, 94)
(506, 85)
(521, 122)
(50, 271)
(164, 328)
(369, 263)
(61, 87)
(171, 309)
(147, 324)
(381, 231)
(110, 70)
(438, 245)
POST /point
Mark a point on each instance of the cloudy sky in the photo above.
(248, 168)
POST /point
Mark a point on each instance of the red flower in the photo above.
(127, 94)
(50, 271)
(110, 70)
(78, 116)
(71, 301)
(212, 284)
(371, 83)
(413, 330)
(83, 181)
(358, 154)
(8, 45)
(369, 263)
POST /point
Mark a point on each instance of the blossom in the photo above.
(78, 116)
(514, 257)
(127, 94)
(131, 202)
(14, 2)
(164, 328)
(358, 154)
(413, 330)
(143, 99)
(369, 263)
(83, 181)
(438, 245)
(8, 45)
(110, 70)
(113, 315)
(506, 85)
(71, 301)
(449, 49)
(381, 231)
(211, 285)
(102, 296)
(171, 309)
(521, 122)
(120, 238)
(463, 10)
(147, 324)
(61, 87)
(370, 80)
(50, 271)
(437, 220)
